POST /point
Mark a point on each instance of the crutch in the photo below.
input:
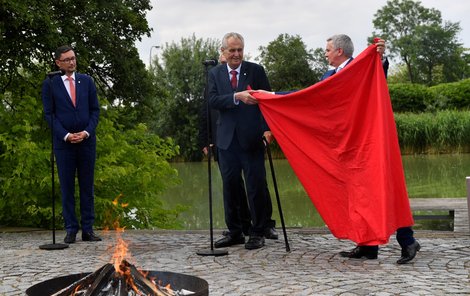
(268, 151)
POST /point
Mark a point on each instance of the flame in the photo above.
(116, 201)
(121, 249)
(122, 256)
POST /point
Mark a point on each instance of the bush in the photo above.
(130, 163)
(455, 95)
(419, 98)
(409, 97)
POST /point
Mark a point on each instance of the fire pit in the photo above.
(108, 281)
(120, 278)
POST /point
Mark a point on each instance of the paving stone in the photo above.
(313, 267)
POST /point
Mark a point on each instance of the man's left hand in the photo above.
(380, 46)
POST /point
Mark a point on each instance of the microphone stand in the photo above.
(54, 245)
(211, 251)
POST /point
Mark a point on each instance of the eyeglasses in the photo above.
(68, 60)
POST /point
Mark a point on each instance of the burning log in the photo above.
(85, 281)
(141, 283)
(127, 281)
(120, 287)
(101, 281)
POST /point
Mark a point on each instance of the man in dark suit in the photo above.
(243, 210)
(71, 108)
(339, 51)
(240, 130)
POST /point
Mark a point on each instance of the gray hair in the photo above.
(229, 35)
(344, 42)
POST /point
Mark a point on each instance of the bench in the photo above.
(457, 209)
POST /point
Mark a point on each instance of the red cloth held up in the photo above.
(340, 138)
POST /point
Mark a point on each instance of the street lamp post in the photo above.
(150, 58)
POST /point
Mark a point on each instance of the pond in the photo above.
(426, 176)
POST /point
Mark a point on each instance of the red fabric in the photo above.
(340, 138)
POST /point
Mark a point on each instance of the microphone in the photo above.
(60, 72)
(209, 62)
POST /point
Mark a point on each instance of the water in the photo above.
(426, 176)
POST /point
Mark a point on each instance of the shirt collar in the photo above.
(237, 69)
(65, 77)
(340, 67)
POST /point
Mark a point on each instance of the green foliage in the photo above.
(454, 95)
(415, 34)
(419, 98)
(288, 63)
(180, 85)
(130, 162)
(409, 97)
(103, 34)
(25, 155)
(437, 53)
(440, 132)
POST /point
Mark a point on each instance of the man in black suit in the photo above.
(239, 140)
(338, 52)
(71, 102)
(243, 210)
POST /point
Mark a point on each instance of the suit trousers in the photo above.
(232, 162)
(404, 238)
(77, 160)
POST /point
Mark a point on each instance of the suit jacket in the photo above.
(246, 121)
(333, 71)
(385, 65)
(66, 117)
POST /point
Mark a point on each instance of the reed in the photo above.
(446, 131)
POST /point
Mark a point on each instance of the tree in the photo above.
(319, 63)
(180, 81)
(288, 63)
(413, 31)
(130, 159)
(103, 34)
(437, 53)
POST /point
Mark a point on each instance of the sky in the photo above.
(262, 21)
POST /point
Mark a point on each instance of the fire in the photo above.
(121, 255)
(120, 251)
(119, 275)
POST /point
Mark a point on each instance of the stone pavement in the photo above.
(313, 266)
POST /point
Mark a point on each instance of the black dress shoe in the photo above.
(408, 253)
(90, 237)
(270, 233)
(255, 242)
(369, 252)
(70, 238)
(229, 240)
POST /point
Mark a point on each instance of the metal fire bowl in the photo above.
(177, 281)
